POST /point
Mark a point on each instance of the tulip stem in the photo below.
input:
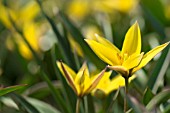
(126, 92)
(78, 105)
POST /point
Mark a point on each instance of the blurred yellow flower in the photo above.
(107, 85)
(119, 5)
(129, 59)
(23, 17)
(78, 8)
(81, 8)
(81, 83)
(76, 48)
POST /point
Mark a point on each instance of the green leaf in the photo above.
(155, 15)
(6, 90)
(24, 104)
(148, 95)
(75, 32)
(157, 9)
(41, 106)
(158, 99)
(155, 73)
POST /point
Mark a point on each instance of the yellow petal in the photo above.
(103, 52)
(133, 61)
(104, 82)
(118, 81)
(132, 42)
(96, 80)
(80, 73)
(86, 84)
(110, 85)
(149, 55)
(67, 76)
(72, 73)
(120, 69)
(82, 79)
(106, 43)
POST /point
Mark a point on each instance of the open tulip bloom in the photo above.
(130, 58)
(81, 83)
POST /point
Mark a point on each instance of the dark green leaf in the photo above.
(148, 95)
(155, 15)
(157, 9)
(158, 99)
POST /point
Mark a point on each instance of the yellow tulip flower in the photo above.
(129, 59)
(107, 85)
(81, 83)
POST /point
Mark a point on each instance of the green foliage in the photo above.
(60, 33)
(6, 90)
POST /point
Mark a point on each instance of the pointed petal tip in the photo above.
(166, 44)
(136, 23)
(87, 40)
(58, 62)
(96, 35)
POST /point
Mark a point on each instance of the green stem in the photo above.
(78, 105)
(126, 92)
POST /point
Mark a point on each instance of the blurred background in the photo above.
(34, 34)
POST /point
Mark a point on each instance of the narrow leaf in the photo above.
(155, 73)
(158, 99)
(41, 106)
(6, 90)
(148, 95)
(25, 104)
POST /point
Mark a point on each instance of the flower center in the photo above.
(122, 57)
